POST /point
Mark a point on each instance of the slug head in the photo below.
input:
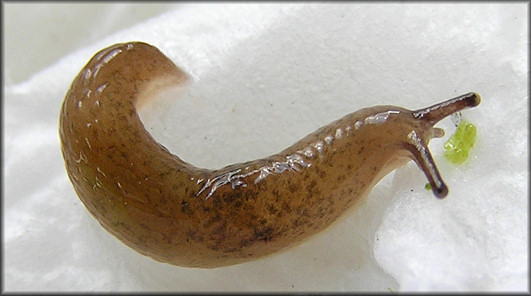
(406, 134)
(419, 136)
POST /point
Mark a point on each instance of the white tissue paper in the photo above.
(278, 72)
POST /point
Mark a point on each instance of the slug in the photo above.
(180, 214)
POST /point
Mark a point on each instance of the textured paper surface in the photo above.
(263, 77)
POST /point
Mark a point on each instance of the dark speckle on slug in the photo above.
(174, 212)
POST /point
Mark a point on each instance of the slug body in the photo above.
(176, 213)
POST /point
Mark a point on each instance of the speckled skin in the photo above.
(174, 212)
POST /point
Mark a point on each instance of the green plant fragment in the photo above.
(460, 143)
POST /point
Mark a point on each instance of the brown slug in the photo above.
(176, 213)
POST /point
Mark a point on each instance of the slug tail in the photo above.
(437, 112)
